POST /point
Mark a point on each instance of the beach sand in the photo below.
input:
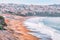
(18, 30)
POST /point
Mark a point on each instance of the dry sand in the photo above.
(15, 29)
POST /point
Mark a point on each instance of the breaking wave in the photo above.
(46, 28)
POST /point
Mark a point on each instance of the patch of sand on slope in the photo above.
(18, 30)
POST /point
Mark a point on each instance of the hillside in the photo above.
(15, 30)
(30, 10)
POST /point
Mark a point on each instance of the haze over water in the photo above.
(34, 2)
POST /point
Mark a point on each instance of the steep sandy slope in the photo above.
(15, 30)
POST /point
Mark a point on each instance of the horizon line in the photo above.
(29, 4)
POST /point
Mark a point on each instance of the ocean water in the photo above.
(46, 28)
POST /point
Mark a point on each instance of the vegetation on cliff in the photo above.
(2, 23)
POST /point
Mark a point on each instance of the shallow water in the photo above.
(46, 28)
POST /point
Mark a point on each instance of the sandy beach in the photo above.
(17, 29)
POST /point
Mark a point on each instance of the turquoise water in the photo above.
(53, 22)
(47, 28)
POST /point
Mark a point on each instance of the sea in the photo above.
(44, 28)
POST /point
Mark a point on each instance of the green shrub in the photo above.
(2, 23)
(1, 27)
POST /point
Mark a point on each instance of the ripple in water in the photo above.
(47, 28)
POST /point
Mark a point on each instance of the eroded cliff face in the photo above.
(15, 30)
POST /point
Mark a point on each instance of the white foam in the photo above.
(40, 30)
